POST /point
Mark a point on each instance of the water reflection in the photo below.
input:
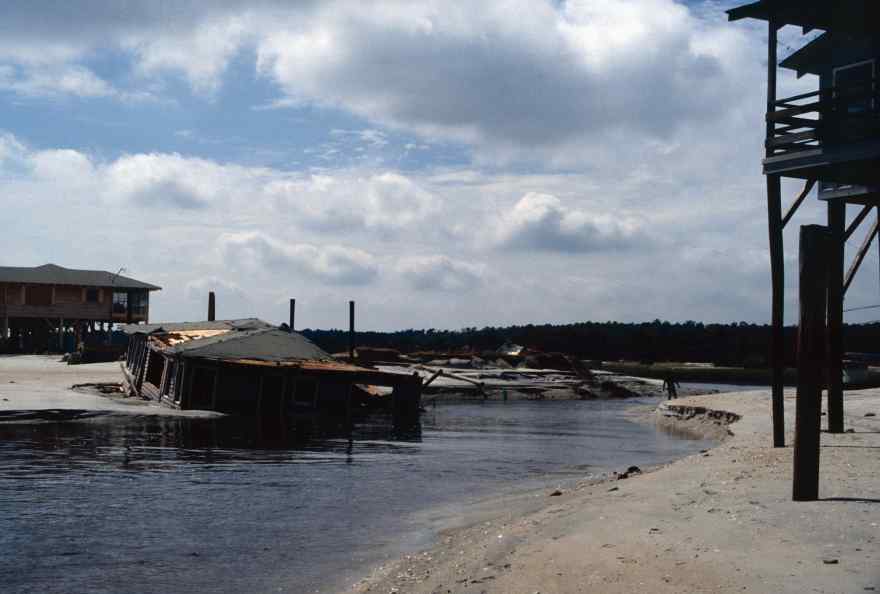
(156, 444)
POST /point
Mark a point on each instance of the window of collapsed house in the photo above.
(91, 295)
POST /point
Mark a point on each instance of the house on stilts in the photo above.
(830, 139)
(50, 307)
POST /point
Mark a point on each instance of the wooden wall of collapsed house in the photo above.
(234, 388)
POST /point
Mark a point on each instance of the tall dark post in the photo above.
(777, 267)
(810, 357)
(351, 330)
(836, 225)
(211, 310)
(292, 313)
(777, 330)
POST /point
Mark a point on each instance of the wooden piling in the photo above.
(211, 304)
(292, 313)
(777, 330)
(777, 272)
(836, 229)
(813, 277)
(351, 330)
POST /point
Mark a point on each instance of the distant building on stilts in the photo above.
(50, 308)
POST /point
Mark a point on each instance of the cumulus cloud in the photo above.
(333, 264)
(386, 201)
(515, 76)
(174, 180)
(713, 265)
(439, 272)
(64, 79)
(198, 288)
(512, 78)
(200, 53)
(542, 222)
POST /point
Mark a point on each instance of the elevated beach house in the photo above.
(49, 300)
(829, 138)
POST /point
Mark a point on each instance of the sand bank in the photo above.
(720, 521)
(39, 386)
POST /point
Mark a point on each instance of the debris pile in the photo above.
(511, 372)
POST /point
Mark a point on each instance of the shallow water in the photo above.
(147, 504)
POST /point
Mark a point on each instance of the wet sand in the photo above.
(719, 521)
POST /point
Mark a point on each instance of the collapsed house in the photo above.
(251, 367)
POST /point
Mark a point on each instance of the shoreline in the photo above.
(718, 521)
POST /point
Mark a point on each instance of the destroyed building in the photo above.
(250, 367)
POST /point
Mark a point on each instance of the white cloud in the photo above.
(542, 222)
(334, 264)
(532, 80)
(394, 201)
(63, 164)
(387, 201)
(198, 288)
(64, 79)
(173, 180)
(514, 79)
(439, 272)
(708, 263)
(201, 53)
(639, 122)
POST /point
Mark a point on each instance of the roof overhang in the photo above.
(812, 58)
(857, 17)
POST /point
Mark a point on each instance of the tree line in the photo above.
(738, 344)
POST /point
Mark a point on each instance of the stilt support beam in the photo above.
(860, 255)
(777, 274)
(797, 201)
(836, 223)
(857, 221)
(777, 271)
(811, 355)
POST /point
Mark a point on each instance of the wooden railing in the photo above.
(833, 116)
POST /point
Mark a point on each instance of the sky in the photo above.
(444, 163)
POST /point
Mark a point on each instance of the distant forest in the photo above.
(738, 344)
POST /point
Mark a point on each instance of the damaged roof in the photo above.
(52, 274)
(265, 344)
(184, 327)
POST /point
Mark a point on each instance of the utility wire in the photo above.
(862, 307)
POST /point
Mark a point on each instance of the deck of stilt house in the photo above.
(249, 367)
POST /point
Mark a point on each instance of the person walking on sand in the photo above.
(670, 385)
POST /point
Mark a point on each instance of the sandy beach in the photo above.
(719, 521)
(31, 385)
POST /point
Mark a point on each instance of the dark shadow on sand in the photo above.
(850, 499)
